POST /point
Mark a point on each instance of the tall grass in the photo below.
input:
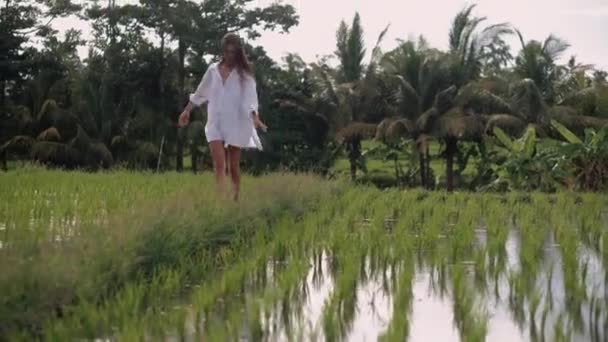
(185, 266)
(73, 241)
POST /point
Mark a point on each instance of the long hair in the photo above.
(243, 65)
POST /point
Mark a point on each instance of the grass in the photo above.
(73, 242)
(392, 236)
(167, 261)
(381, 172)
(380, 168)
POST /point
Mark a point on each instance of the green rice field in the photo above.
(144, 257)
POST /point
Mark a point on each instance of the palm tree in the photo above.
(469, 45)
(429, 82)
(589, 96)
(538, 61)
(350, 50)
(59, 140)
(350, 137)
(340, 103)
(418, 73)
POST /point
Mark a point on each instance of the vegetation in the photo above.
(130, 253)
(108, 110)
(188, 267)
(83, 239)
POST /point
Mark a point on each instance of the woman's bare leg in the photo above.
(219, 164)
(234, 154)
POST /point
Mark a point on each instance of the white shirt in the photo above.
(229, 107)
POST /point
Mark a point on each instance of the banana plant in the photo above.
(522, 165)
(587, 158)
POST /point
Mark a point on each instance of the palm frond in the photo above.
(426, 120)
(459, 25)
(444, 100)
(554, 47)
(382, 127)
(482, 101)
(458, 125)
(521, 37)
(50, 134)
(54, 153)
(358, 130)
(326, 85)
(20, 145)
(401, 128)
(527, 100)
(81, 141)
(101, 155)
(574, 122)
(490, 33)
(510, 124)
(376, 51)
(407, 95)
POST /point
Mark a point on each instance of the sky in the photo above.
(583, 23)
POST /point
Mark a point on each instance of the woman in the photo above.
(229, 88)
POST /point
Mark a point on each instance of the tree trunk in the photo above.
(179, 155)
(181, 74)
(427, 162)
(423, 174)
(353, 170)
(3, 160)
(2, 95)
(397, 173)
(451, 148)
(354, 155)
(424, 159)
(194, 153)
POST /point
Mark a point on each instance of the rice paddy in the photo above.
(301, 259)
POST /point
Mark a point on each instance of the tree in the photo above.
(350, 50)
(20, 20)
(538, 61)
(470, 47)
(212, 19)
(418, 73)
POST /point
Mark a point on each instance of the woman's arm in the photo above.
(200, 96)
(251, 101)
(202, 92)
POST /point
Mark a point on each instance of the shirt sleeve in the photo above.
(202, 92)
(251, 96)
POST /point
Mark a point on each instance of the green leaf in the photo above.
(529, 142)
(503, 138)
(566, 133)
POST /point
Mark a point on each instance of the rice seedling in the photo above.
(307, 260)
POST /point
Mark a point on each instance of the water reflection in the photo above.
(505, 286)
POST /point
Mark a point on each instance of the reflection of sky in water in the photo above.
(432, 316)
(374, 311)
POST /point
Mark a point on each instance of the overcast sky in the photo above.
(583, 23)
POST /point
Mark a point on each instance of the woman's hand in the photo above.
(258, 123)
(184, 118)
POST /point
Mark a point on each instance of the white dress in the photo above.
(229, 107)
